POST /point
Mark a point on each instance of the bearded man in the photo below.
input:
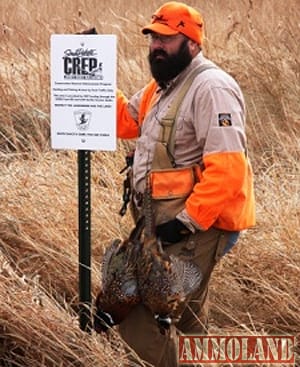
(189, 126)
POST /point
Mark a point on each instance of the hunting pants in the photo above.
(140, 330)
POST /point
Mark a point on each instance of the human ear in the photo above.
(193, 47)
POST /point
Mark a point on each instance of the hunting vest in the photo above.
(170, 186)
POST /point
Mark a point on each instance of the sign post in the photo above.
(83, 117)
(84, 240)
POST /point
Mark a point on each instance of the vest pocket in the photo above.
(172, 183)
(170, 188)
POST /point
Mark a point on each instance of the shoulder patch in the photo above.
(224, 119)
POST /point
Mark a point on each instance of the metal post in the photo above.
(84, 206)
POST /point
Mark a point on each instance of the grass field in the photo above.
(254, 290)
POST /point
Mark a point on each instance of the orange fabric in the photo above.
(175, 17)
(224, 197)
(148, 99)
(127, 127)
(182, 182)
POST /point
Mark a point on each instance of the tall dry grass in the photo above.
(254, 289)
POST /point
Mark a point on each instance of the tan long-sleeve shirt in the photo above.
(210, 131)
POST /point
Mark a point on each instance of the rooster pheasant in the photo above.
(164, 281)
(119, 292)
(139, 271)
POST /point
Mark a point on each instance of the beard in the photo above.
(165, 67)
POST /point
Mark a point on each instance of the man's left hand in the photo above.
(172, 231)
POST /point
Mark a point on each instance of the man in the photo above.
(197, 219)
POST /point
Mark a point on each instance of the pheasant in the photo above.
(119, 292)
(164, 281)
(139, 271)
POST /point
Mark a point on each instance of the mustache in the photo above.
(158, 52)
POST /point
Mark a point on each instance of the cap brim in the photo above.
(159, 28)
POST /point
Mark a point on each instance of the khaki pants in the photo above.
(140, 330)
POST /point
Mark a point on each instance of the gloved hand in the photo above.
(172, 231)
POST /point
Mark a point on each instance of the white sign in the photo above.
(83, 92)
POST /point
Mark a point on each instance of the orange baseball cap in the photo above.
(176, 17)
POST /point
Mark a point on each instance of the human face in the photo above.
(168, 56)
(167, 41)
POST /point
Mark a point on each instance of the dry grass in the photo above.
(255, 288)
